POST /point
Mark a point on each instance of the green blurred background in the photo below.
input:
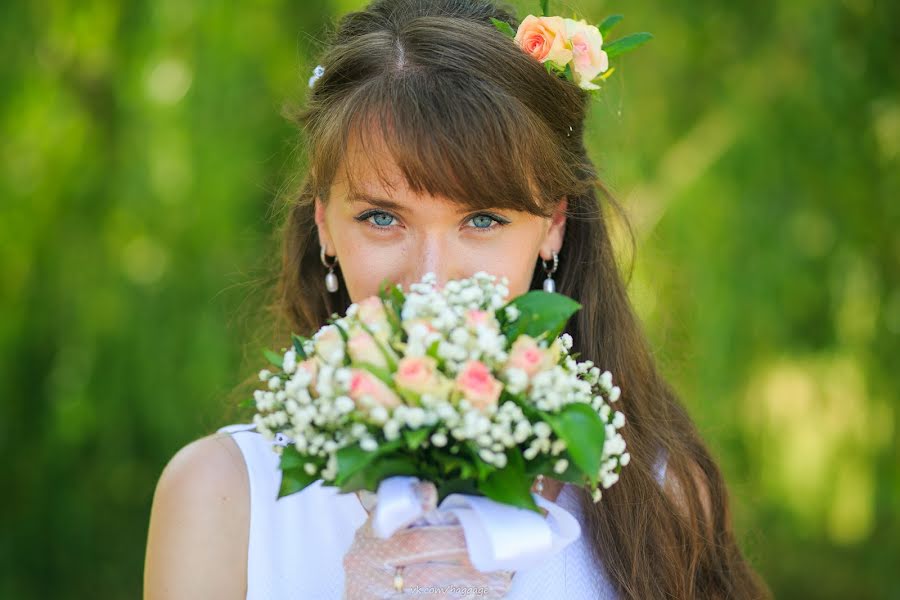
(755, 144)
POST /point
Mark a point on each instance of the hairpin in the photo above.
(571, 48)
(317, 72)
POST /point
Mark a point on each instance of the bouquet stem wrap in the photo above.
(498, 536)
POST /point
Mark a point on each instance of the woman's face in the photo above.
(399, 235)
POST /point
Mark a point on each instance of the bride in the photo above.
(435, 144)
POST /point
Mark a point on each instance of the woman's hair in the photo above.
(464, 113)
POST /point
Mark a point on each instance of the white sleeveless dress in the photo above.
(297, 544)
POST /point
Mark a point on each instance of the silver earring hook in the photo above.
(324, 262)
(548, 270)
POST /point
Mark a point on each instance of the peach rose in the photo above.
(362, 347)
(544, 38)
(588, 59)
(417, 373)
(363, 384)
(371, 312)
(477, 319)
(478, 385)
(329, 345)
(526, 355)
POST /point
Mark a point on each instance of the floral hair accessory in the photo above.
(317, 72)
(572, 48)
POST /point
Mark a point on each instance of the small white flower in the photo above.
(310, 468)
(439, 439)
(290, 361)
(561, 465)
(618, 419)
(368, 444)
(265, 374)
(614, 393)
(541, 429)
(512, 312)
(596, 495)
(624, 459)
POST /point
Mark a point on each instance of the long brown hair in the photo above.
(467, 115)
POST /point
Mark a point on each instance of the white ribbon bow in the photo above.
(498, 536)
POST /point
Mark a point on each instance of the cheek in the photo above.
(365, 267)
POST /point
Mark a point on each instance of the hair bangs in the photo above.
(448, 138)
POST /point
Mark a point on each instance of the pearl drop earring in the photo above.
(331, 280)
(549, 283)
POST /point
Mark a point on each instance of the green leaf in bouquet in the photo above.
(415, 437)
(294, 480)
(382, 468)
(545, 8)
(607, 24)
(274, 358)
(626, 44)
(457, 486)
(544, 463)
(298, 346)
(584, 433)
(248, 403)
(510, 485)
(351, 459)
(454, 465)
(539, 312)
(293, 476)
(482, 469)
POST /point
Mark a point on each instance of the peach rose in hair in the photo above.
(544, 38)
(588, 59)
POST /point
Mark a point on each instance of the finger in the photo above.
(428, 494)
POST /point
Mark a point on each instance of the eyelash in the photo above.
(364, 218)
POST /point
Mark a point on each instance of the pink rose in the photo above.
(478, 385)
(363, 384)
(477, 319)
(526, 355)
(363, 348)
(417, 374)
(544, 38)
(588, 59)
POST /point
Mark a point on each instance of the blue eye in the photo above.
(484, 222)
(384, 220)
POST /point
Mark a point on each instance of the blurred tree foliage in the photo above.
(755, 144)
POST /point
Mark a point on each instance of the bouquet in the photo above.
(459, 386)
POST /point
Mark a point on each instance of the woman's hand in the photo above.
(434, 559)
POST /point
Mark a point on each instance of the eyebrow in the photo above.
(380, 202)
(358, 197)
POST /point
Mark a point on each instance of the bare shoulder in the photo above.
(199, 524)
